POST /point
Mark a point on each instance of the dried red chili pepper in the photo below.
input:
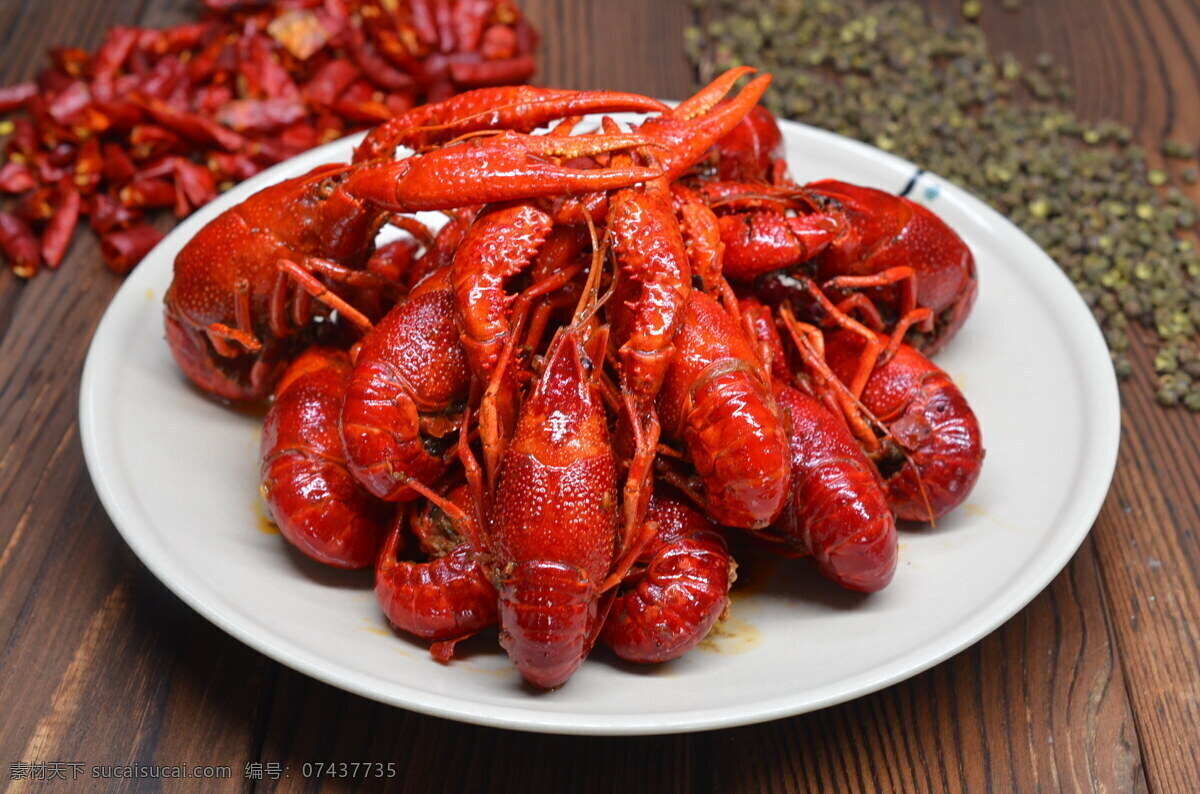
(263, 75)
(358, 103)
(69, 104)
(527, 37)
(399, 102)
(374, 67)
(124, 248)
(16, 178)
(194, 186)
(261, 115)
(89, 166)
(36, 205)
(71, 61)
(118, 115)
(424, 22)
(148, 141)
(232, 167)
(60, 227)
(299, 137)
(177, 39)
(329, 127)
(207, 62)
(499, 43)
(166, 118)
(118, 166)
(47, 171)
(145, 193)
(400, 48)
(53, 81)
(329, 82)
(164, 77)
(19, 245)
(23, 142)
(209, 99)
(62, 154)
(105, 214)
(189, 125)
(139, 63)
(443, 14)
(113, 52)
(484, 73)
(470, 17)
(13, 96)
(159, 168)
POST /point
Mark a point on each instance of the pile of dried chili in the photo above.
(164, 119)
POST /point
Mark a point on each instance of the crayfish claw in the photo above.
(704, 100)
(584, 145)
(691, 128)
(508, 166)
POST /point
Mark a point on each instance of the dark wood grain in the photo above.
(99, 663)
(1038, 705)
(623, 45)
(313, 722)
(1149, 547)
(1094, 686)
(1137, 63)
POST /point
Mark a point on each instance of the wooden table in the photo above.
(1095, 685)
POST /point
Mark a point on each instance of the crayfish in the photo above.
(629, 347)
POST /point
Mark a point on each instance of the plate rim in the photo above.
(1084, 506)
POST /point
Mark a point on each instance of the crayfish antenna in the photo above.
(919, 317)
(480, 498)
(784, 199)
(921, 487)
(870, 355)
(589, 301)
(809, 343)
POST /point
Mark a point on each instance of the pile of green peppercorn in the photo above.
(932, 93)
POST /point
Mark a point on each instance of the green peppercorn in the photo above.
(885, 74)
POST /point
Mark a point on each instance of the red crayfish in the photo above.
(884, 256)
(233, 315)
(578, 388)
(319, 506)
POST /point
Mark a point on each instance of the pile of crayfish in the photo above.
(623, 345)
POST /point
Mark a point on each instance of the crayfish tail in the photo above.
(548, 612)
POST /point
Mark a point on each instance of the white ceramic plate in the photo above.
(178, 474)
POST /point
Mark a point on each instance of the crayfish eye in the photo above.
(434, 447)
(325, 188)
